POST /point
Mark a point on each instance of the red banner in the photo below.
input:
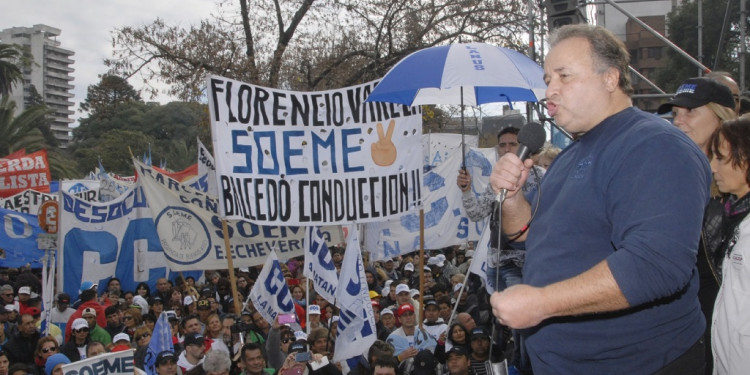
(24, 172)
(182, 175)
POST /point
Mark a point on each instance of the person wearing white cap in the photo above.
(387, 324)
(403, 297)
(389, 266)
(313, 317)
(24, 295)
(75, 348)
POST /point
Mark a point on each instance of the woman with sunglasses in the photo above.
(45, 348)
(75, 348)
(277, 346)
(132, 319)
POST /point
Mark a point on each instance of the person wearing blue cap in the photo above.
(55, 363)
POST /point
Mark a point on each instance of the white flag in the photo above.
(356, 329)
(270, 294)
(319, 267)
(479, 261)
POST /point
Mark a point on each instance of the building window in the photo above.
(654, 53)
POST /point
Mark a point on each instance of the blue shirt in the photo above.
(632, 191)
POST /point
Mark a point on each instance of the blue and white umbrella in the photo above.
(462, 73)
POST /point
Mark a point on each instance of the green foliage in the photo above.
(683, 31)
(170, 130)
(10, 73)
(112, 91)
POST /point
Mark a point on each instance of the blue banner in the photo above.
(18, 236)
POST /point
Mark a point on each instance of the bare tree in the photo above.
(307, 44)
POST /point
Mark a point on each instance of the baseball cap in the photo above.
(404, 308)
(300, 335)
(86, 285)
(24, 290)
(194, 339)
(479, 332)
(313, 310)
(63, 298)
(155, 299)
(699, 91)
(409, 267)
(10, 308)
(88, 311)
(387, 284)
(400, 288)
(427, 269)
(120, 337)
(430, 302)
(469, 253)
(80, 323)
(375, 304)
(165, 356)
(386, 311)
(297, 347)
(414, 293)
(33, 311)
(458, 350)
(425, 363)
(171, 315)
(204, 305)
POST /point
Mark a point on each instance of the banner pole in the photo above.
(230, 264)
(421, 267)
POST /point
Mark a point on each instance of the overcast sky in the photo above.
(87, 25)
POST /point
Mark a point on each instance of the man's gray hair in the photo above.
(607, 50)
(216, 361)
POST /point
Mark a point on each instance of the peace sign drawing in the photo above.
(384, 151)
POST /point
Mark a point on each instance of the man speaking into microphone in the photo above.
(610, 281)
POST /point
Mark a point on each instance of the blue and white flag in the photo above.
(18, 236)
(319, 267)
(161, 340)
(479, 261)
(270, 294)
(356, 329)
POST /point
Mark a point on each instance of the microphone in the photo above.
(531, 138)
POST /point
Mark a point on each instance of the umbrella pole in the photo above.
(463, 140)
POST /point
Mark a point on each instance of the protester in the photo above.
(95, 332)
(730, 163)
(21, 345)
(55, 363)
(94, 349)
(75, 348)
(195, 350)
(253, 361)
(385, 366)
(62, 311)
(609, 233)
(166, 363)
(458, 362)
(698, 108)
(45, 348)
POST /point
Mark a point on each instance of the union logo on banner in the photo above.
(190, 241)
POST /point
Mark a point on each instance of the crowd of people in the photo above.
(203, 320)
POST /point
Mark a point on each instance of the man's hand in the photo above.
(510, 173)
(408, 353)
(463, 180)
(520, 306)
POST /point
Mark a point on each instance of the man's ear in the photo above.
(612, 79)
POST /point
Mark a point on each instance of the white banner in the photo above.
(356, 327)
(87, 190)
(313, 158)
(27, 201)
(117, 363)
(190, 230)
(445, 221)
(207, 167)
(270, 294)
(100, 240)
(319, 267)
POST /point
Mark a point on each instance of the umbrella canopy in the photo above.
(487, 74)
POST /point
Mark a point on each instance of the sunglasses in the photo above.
(127, 318)
(81, 330)
(286, 341)
(143, 336)
(47, 350)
